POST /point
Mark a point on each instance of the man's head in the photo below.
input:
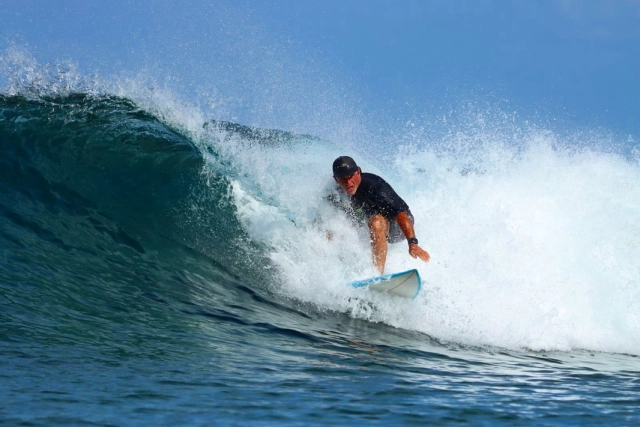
(347, 174)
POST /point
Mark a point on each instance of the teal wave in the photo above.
(104, 208)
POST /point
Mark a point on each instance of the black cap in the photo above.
(344, 166)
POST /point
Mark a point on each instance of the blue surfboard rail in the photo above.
(386, 277)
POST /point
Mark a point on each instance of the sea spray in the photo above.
(532, 244)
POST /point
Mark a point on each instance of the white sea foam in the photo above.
(532, 247)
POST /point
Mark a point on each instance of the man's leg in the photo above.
(378, 230)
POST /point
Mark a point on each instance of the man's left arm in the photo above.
(406, 225)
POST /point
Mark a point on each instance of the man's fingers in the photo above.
(419, 252)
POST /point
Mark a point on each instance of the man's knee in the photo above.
(379, 224)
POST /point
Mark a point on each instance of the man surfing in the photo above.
(372, 201)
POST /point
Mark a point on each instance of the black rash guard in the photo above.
(374, 196)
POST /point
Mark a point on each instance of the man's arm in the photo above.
(406, 225)
(334, 199)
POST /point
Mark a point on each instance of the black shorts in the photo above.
(395, 232)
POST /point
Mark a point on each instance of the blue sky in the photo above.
(299, 65)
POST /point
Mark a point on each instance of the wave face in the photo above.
(76, 156)
(101, 203)
(135, 243)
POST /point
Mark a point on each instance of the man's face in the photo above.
(350, 183)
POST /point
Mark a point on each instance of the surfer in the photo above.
(372, 201)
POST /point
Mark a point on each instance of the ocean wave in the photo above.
(527, 236)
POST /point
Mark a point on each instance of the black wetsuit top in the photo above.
(374, 196)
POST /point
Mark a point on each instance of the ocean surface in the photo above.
(161, 267)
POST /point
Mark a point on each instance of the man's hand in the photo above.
(417, 252)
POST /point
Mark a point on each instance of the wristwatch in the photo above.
(412, 240)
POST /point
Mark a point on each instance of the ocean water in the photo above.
(162, 267)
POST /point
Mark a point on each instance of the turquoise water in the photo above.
(158, 270)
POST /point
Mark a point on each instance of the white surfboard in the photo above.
(406, 284)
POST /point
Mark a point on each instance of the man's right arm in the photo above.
(332, 197)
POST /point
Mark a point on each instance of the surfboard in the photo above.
(406, 284)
